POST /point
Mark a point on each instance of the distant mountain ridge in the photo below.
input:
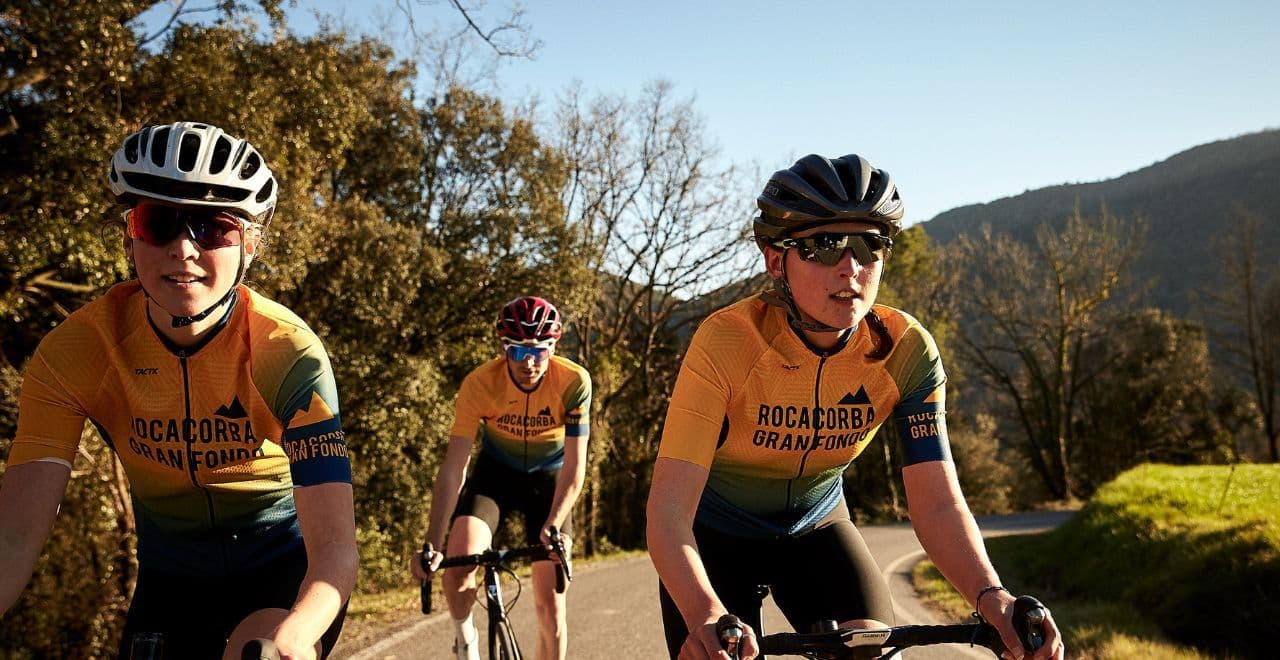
(1187, 199)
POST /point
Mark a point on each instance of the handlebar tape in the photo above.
(425, 591)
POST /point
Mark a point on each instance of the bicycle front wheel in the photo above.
(502, 641)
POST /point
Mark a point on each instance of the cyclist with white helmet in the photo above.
(776, 396)
(530, 410)
(220, 404)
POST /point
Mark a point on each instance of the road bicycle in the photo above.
(834, 643)
(502, 639)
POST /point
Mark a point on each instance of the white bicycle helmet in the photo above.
(194, 164)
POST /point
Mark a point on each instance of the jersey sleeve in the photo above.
(699, 402)
(577, 405)
(51, 414)
(467, 409)
(307, 407)
(920, 415)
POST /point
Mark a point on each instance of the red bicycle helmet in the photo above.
(529, 319)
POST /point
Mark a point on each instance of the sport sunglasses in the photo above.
(827, 249)
(211, 229)
(521, 352)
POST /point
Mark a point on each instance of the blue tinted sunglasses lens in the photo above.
(521, 353)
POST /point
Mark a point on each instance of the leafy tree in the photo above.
(1153, 402)
(1246, 321)
(659, 223)
(303, 102)
(1028, 316)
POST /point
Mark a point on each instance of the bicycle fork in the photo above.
(492, 592)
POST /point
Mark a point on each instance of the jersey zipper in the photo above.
(524, 428)
(817, 427)
(188, 432)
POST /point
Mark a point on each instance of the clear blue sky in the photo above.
(962, 102)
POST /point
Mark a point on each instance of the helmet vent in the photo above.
(170, 188)
(188, 151)
(159, 143)
(221, 154)
(251, 165)
(131, 149)
(114, 176)
(265, 193)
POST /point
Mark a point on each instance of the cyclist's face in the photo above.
(181, 276)
(528, 367)
(838, 295)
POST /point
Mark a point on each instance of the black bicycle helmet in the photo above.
(818, 191)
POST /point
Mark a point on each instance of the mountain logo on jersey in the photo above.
(233, 411)
(545, 411)
(859, 399)
(315, 413)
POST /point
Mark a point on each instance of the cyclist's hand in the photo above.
(999, 612)
(424, 564)
(565, 539)
(704, 644)
(292, 648)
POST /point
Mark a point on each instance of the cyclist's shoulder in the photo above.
(750, 319)
(569, 369)
(271, 324)
(100, 327)
(487, 375)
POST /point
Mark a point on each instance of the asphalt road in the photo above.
(613, 605)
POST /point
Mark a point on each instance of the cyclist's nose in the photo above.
(183, 246)
(848, 263)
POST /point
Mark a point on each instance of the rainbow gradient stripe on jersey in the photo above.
(776, 424)
(524, 430)
(213, 440)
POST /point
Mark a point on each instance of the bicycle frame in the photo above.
(502, 639)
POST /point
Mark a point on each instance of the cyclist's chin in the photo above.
(184, 300)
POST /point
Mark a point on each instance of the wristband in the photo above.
(977, 602)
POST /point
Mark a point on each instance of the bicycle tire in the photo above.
(502, 641)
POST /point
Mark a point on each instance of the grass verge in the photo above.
(1164, 562)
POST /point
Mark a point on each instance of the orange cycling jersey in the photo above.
(524, 430)
(213, 438)
(776, 423)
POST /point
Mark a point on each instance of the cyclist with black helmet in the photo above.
(220, 404)
(529, 408)
(777, 394)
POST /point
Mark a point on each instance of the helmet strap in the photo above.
(783, 298)
(184, 321)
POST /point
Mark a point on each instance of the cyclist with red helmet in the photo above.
(777, 394)
(529, 408)
(220, 404)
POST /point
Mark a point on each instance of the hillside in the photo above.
(1187, 200)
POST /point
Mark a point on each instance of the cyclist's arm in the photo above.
(568, 482)
(673, 502)
(949, 534)
(326, 513)
(29, 499)
(444, 495)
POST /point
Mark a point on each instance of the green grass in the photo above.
(1158, 562)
